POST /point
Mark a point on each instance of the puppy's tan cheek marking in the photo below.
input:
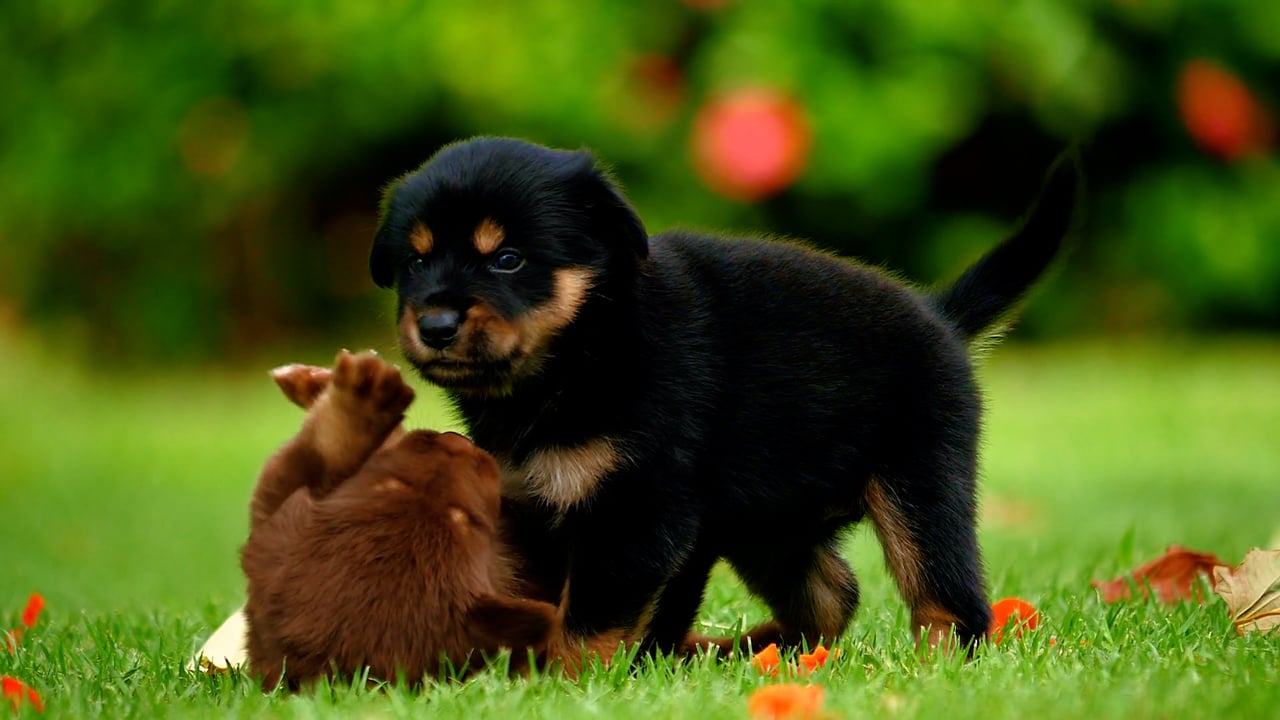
(566, 476)
(421, 238)
(501, 336)
(410, 342)
(488, 236)
(538, 326)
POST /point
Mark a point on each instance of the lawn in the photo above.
(124, 503)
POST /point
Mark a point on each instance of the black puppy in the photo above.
(662, 403)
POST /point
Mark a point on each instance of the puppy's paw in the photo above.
(302, 384)
(366, 386)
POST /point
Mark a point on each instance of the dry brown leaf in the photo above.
(1172, 576)
(1252, 590)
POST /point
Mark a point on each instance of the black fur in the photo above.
(765, 396)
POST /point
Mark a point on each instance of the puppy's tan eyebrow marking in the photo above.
(488, 236)
(421, 238)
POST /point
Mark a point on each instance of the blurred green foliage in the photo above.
(184, 180)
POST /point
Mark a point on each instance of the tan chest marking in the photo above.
(564, 476)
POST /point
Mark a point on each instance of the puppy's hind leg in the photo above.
(924, 517)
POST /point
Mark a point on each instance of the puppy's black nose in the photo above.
(439, 328)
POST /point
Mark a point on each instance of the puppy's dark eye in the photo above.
(507, 260)
(416, 263)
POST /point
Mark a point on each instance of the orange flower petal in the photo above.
(1004, 609)
(814, 660)
(35, 604)
(16, 692)
(767, 661)
(787, 700)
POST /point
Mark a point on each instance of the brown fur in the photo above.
(373, 547)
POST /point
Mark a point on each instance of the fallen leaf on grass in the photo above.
(1252, 591)
(787, 700)
(18, 692)
(1172, 576)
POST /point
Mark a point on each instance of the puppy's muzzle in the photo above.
(438, 327)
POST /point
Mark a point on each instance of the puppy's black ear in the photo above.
(388, 244)
(386, 256)
(612, 217)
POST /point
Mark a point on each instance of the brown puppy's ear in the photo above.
(498, 622)
(302, 384)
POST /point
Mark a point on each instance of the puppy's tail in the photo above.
(986, 294)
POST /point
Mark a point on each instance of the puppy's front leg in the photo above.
(364, 402)
(614, 587)
(362, 405)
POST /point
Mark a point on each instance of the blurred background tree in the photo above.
(186, 181)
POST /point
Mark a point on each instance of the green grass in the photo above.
(124, 501)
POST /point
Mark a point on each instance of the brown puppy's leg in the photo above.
(362, 406)
(303, 384)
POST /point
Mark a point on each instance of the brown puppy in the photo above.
(374, 548)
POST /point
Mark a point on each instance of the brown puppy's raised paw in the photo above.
(369, 389)
(302, 384)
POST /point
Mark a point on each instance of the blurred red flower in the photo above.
(814, 660)
(788, 700)
(767, 661)
(35, 605)
(18, 692)
(750, 143)
(1007, 608)
(1221, 113)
